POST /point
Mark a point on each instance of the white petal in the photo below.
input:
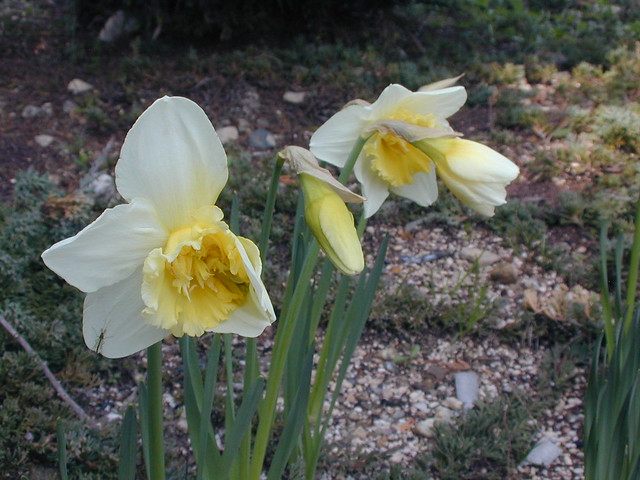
(374, 189)
(442, 103)
(476, 195)
(440, 84)
(257, 313)
(249, 320)
(109, 249)
(113, 324)
(423, 190)
(388, 101)
(333, 141)
(303, 162)
(479, 163)
(172, 156)
(476, 174)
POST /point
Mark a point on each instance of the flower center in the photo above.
(214, 267)
(394, 159)
(196, 281)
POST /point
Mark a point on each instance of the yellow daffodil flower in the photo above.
(325, 211)
(165, 262)
(408, 140)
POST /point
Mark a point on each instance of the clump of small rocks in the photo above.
(396, 393)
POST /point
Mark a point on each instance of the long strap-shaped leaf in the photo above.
(240, 427)
(128, 446)
(194, 402)
(293, 422)
(144, 425)
(353, 324)
(208, 463)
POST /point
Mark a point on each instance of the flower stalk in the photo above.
(155, 415)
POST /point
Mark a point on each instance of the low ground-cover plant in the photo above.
(44, 311)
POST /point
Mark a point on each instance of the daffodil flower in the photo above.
(325, 211)
(165, 262)
(474, 173)
(408, 140)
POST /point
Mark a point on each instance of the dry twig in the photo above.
(54, 381)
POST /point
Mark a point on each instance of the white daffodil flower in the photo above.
(165, 262)
(474, 173)
(325, 212)
(390, 160)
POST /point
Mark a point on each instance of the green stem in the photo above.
(281, 347)
(251, 359)
(156, 437)
(267, 217)
(633, 271)
(351, 160)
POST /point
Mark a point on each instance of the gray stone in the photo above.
(103, 188)
(31, 111)
(360, 433)
(262, 139)
(78, 86)
(504, 273)
(44, 140)
(484, 258)
(113, 417)
(443, 414)
(425, 427)
(250, 103)
(47, 109)
(391, 367)
(398, 414)
(415, 224)
(421, 406)
(295, 98)
(263, 122)
(227, 134)
(544, 452)
(467, 387)
(69, 106)
(453, 403)
(244, 126)
(436, 371)
(182, 424)
(117, 25)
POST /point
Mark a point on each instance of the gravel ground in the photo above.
(387, 409)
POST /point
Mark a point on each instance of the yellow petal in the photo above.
(332, 224)
(394, 159)
(197, 279)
